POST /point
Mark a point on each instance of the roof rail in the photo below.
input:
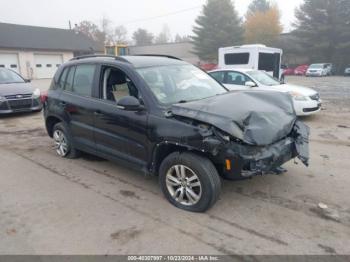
(166, 56)
(102, 56)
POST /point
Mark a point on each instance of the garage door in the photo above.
(46, 65)
(9, 61)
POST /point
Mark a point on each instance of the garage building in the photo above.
(36, 52)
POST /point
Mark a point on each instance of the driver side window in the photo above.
(116, 85)
(236, 78)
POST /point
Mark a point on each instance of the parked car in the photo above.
(17, 94)
(347, 71)
(306, 100)
(169, 118)
(319, 70)
(288, 71)
(208, 66)
(301, 70)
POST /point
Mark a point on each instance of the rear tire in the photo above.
(189, 181)
(64, 142)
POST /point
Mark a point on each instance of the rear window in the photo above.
(237, 59)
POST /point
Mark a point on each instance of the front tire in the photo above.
(189, 181)
(64, 142)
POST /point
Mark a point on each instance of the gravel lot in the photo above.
(49, 205)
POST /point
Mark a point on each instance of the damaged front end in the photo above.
(251, 142)
(246, 160)
(239, 160)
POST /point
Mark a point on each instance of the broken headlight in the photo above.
(222, 135)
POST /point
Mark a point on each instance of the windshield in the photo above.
(263, 78)
(180, 83)
(8, 77)
(316, 66)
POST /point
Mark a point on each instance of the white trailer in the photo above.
(256, 57)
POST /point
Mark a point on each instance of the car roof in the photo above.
(134, 61)
(241, 70)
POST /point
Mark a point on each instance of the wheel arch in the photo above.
(164, 149)
(50, 122)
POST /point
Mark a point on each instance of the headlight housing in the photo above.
(298, 97)
(36, 93)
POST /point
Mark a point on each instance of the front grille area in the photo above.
(18, 96)
(315, 97)
(20, 104)
(309, 110)
(3, 106)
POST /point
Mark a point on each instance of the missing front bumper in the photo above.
(247, 161)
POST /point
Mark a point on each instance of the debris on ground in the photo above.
(325, 212)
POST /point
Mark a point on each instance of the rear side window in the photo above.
(62, 80)
(237, 59)
(83, 79)
(68, 85)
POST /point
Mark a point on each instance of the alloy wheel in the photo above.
(61, 144)
(183, 185)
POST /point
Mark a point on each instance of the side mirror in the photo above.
(27, 80)
(129, 103)
(250, 84)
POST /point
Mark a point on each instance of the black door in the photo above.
(76, 102)
(277, 65)
(120, 134)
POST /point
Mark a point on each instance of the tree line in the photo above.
(321, 30)
(108, 34)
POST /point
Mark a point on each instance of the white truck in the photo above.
(256, 57)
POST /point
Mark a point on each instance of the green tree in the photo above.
(217, 26)
(142, 37)
(258, 6)
(323, 27)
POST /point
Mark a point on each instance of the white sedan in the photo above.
(306, 100)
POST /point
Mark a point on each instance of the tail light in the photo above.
(43, 97)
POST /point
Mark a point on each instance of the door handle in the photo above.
(62, 103)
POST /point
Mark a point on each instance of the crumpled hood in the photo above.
(256, 117)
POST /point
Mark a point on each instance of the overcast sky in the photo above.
(179, 15)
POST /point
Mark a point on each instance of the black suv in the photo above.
(168, 118)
